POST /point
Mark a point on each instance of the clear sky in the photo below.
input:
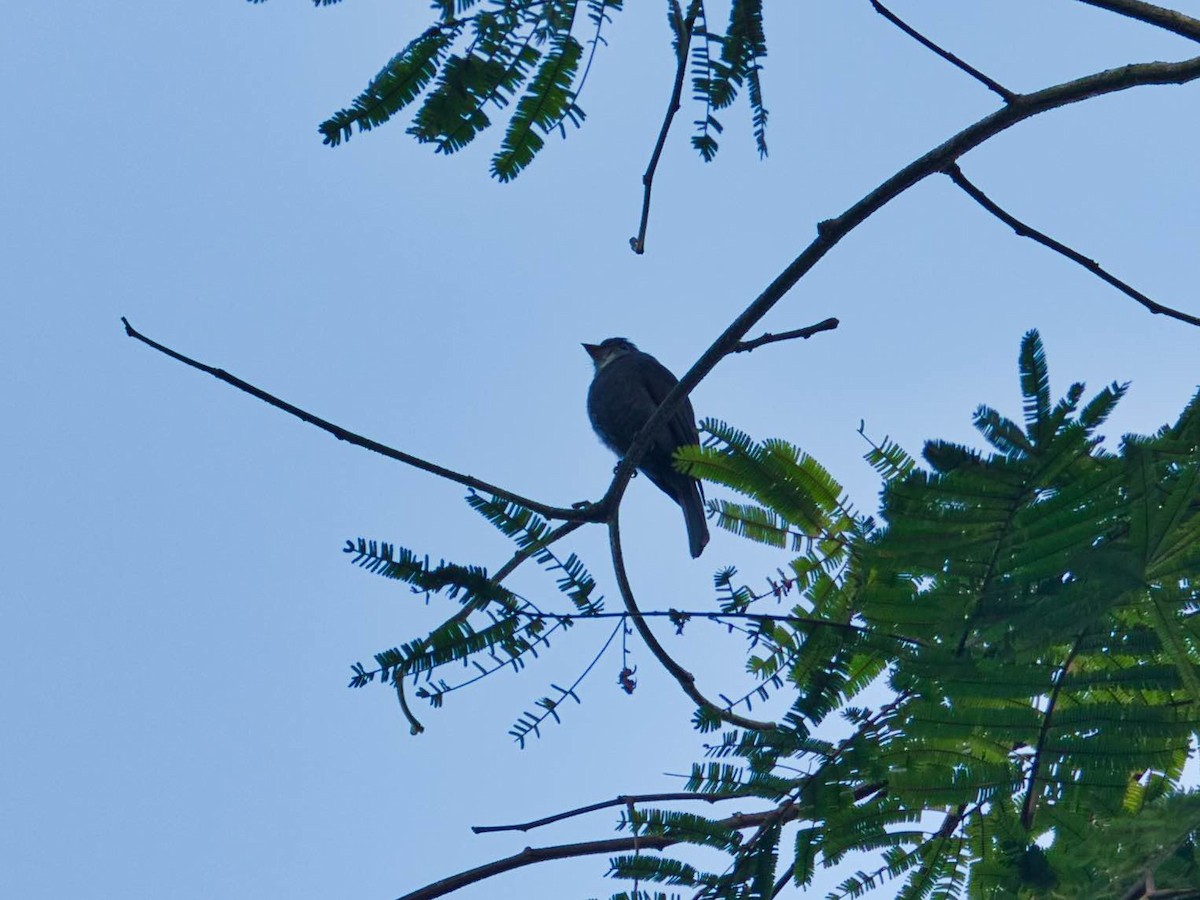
(178, 617)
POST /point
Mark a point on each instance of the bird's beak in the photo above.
(592, 350)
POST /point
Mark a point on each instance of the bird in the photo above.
(627, 388)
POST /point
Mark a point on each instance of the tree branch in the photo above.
(623, 800)
(720, 617)
(582, 514)
(1007, 95)
(831, 231)
(1023, 230)
(686, 679)
(531, 855)
(1031, 796)
(534, 548)
(1171, 20)
(638, 242)
(768, 338)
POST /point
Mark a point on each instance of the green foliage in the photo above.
(1031, 610)
(513, 628)
(479, 56)
(1027, 613)
(400, 82)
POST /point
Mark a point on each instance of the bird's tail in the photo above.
(692, 501)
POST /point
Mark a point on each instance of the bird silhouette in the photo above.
(626, 390)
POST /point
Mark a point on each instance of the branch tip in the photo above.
(992, 85)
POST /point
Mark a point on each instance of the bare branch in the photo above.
(581, 514)
(414, 725)
(1045, 240)
(1171, 20)
(532, 855)
(992, 85)
(623, 800)
(685, 678)
(831, 231)
(638, 243)
(768, 338)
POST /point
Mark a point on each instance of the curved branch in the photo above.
(686, 679)
(1169, 19)
(582, 514)
(414, 724)
(531, 855)
(1045, 240)
(831, 231)
(623, 800)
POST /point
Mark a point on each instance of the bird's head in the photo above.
(608, 350)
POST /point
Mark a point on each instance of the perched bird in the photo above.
(627, 388)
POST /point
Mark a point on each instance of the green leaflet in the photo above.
(547, 103)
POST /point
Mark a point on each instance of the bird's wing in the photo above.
(658, 381)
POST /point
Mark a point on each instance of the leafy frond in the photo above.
(887, 458)
(742, 49)
(397, 85)
(531, 533)
(470, 585)
(474, 59)
(547, 102)
(755, 523)
(1035, 386)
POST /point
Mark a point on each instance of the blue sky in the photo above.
(178, 616)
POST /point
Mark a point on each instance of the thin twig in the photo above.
(769, 338)
(414, 725)
(991, 84)
(582, 514)
(638, 243)
(623, 800)
(1170, 19)
(526, 725)
(1045, 240)
(685, 678)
